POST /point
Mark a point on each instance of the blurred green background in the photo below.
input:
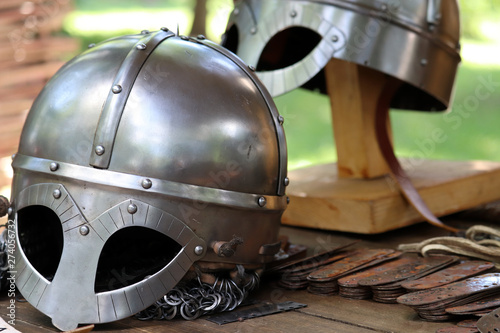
(472, 134)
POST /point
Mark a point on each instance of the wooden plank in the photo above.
(29, 90)
(323, 314)
(42, 15)
(366, 314)
(354, 92)
(9, 4)
(37, 51)
(30, 320)
(30, 73)
(14, 107)
(320, 199)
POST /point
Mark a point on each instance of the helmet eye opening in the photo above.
(230, 39)
(287, 48)
(130, 255)
(41, 238)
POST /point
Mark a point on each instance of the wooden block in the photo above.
(320, 199)
(354, 93)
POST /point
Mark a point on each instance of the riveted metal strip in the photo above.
(111, 113)
(448, 275)
(452, 291)
(194, 193)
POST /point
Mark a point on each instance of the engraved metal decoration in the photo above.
(414, 41)
(141, 179)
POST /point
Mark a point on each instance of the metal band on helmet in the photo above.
(141, 156)
(414, 41)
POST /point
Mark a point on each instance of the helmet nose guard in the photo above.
(70, 296)
(138, 158)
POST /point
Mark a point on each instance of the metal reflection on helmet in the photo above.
(290, 42)
(137, 159)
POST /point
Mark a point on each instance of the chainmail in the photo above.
(196, 298)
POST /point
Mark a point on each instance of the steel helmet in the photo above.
(291, 41)
(141, 156)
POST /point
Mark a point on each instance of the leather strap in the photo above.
(404, 182)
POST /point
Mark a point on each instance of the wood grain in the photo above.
(319, 198)
(354, 92)
(30, 55)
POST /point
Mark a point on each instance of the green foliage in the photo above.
(479, 18)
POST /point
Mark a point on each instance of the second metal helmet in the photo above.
(291, 41)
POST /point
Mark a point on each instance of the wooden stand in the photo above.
(357, 194)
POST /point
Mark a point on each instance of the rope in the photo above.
(481, 242)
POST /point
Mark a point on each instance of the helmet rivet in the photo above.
(252, 68)
(84, 230)
(335, 38)
(144, 32)
(99, 150)
(293, 13)
(140, 46)
(56, 194)
(184, 37)
(200, 37)
(236, 11)
(384, 7)
(198, 250)
(54, 166)
(146, 183)
(164, 29)
(287, 200)
(286, 181)
(91, 45)
(116, 89)
(423, 62)
(253, 30)
(132, 209)
(262, 201)
(9, 211)
(281, 120)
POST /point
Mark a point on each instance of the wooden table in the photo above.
(322, 314)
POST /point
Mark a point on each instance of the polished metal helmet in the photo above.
(141, 156)
(291, 41)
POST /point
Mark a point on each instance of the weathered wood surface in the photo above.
(323, 313)
(319, 198)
